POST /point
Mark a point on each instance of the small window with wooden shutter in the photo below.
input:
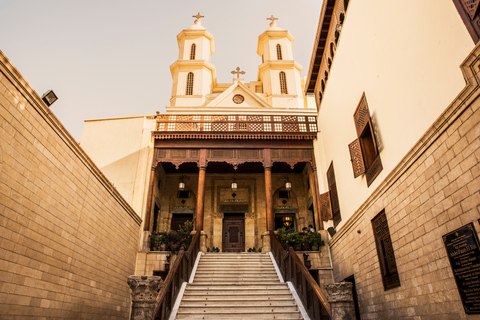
(364, 153)
(386, 256)
(329, 205)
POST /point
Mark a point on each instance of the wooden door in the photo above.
(233, 237)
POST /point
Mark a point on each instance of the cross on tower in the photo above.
(198, 16)
(272, 18)
(238, 72)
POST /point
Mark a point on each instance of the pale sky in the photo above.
(111, 58)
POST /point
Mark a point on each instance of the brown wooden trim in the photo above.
(240, 136)
(148, 213)
(317, 196)
(237, 144)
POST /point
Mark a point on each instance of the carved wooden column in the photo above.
(268, 189)
(317, 196)
(202, 166)
(148, 213)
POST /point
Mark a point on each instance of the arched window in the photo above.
(189, 90)
(192, 51)
(283, 83)
(279, 52)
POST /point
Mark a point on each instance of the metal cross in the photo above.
(272, 18)
(198, 16)
(238, 72)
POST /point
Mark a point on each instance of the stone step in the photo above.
(265, 258)
(244, 297)
(244, 286)
(224, 303)
(229, 273)
(232, 314)
(246, 277)
(233, 291)
(238, 309)
(236, 268)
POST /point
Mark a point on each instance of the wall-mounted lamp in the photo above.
(287, 221)
(234, 185)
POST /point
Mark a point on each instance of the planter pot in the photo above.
(163, 247)
(314, 248)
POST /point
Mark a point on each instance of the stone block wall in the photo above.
(68, 240)
(433, 191)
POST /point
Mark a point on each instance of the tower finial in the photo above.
(198, 16)
(273, 23)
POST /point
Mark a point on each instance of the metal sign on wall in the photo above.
(463, 251)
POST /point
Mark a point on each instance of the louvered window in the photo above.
(283, 83)
(469, 12)
(329, 204)
(386, 256)
(189, 90)
(364, 153)
(279, 52)
(193, 48)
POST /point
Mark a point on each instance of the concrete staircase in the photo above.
(237, 286)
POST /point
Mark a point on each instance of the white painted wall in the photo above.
(122, 149)
(405, 56)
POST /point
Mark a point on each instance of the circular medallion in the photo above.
(238, 98)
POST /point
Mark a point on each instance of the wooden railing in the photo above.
(293, 270)
(178, 274)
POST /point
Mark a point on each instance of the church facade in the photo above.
(236, 157)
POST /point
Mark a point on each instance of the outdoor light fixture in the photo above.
(181, 185)
(49, 98)
(287, 221)
(234, 185)
(288, 184)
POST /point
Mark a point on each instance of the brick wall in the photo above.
(68, 240)
(434, 190)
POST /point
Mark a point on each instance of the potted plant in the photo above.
(157, 241)
(315, 240)
(305, 241)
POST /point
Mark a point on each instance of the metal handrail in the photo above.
(178, 274)
(293, 270)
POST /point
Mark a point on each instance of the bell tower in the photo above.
(193, 74)
(279, 73)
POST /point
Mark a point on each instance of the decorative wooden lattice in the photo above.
(386, 255)
(290, 127)
(299, 127)
(356, 158)
(216, 126)
(332, 187)
(374, 170)
(471, 6)
(361, 115)
(325, 206)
